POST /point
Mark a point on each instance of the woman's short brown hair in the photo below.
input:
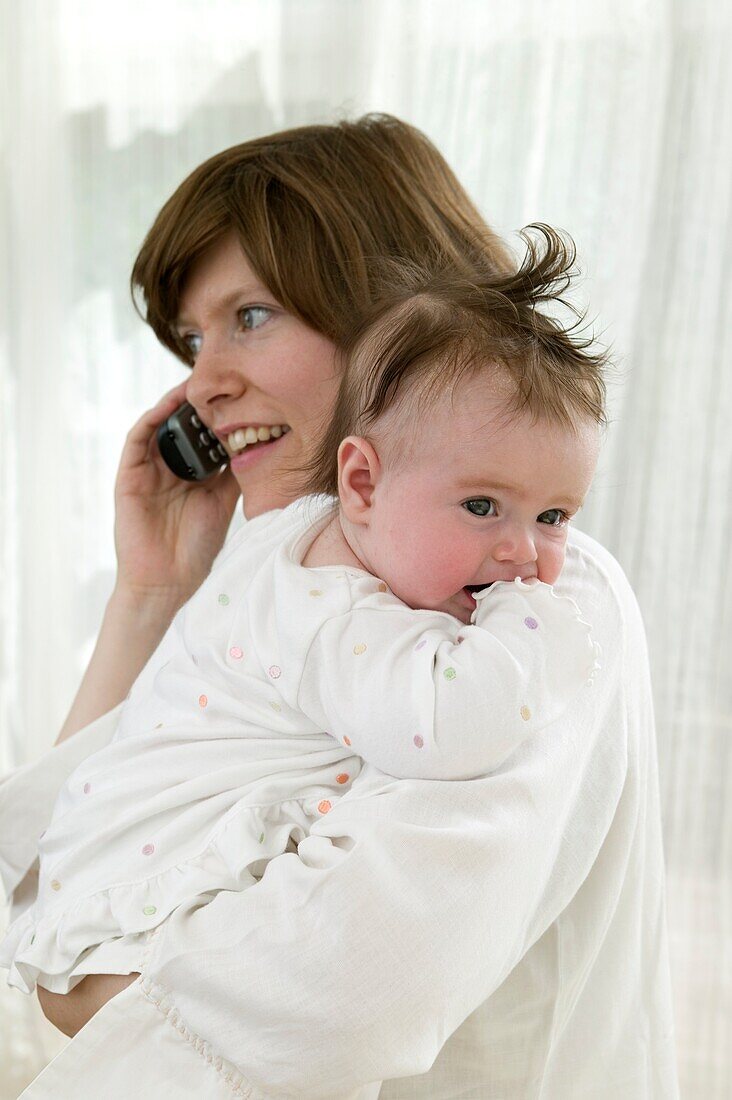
(313, 207)
(431, 329)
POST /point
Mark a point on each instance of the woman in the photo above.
(502, 937)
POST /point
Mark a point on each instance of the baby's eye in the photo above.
(254, 316)
(480, 506)
(555, 517)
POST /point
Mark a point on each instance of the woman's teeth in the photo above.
(244, 437)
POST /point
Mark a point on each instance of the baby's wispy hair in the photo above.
(431, 328)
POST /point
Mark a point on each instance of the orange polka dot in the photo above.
(324, 806)
(203, 700)
(342, 778)
(382, 587)
(346, 740)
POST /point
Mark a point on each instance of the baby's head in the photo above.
(466, 432)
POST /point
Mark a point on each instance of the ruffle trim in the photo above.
(48, 948)
(544, 596)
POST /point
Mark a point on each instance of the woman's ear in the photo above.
(359, 470)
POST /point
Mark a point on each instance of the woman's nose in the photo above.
(214, 377)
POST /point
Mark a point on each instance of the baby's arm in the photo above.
(420, 695)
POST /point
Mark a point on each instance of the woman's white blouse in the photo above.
(498, 937)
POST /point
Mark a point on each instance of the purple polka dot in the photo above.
(420, 645)
(419, 741)
(531, 623)
(148, 849)
(87, 788)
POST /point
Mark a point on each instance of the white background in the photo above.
(612, 120)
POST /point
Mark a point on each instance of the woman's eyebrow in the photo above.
(222, 304)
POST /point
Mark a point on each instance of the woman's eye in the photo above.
(192, 342)
(254, 316)
(481, 506)
(555, 517)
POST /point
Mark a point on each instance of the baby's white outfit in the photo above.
(252, 718)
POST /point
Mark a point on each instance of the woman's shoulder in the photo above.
(596, 580)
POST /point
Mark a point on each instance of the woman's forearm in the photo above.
(133, 626)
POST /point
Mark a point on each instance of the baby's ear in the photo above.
(359, 469)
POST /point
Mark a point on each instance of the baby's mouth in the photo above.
(471, 588)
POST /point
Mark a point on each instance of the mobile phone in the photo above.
(189, 448)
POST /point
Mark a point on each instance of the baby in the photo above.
(401, 614)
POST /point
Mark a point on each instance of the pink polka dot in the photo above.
(324, 806)
(531, 623)
(346, 740)
(419, 741)
(203, 700)
(87, 788)
(236, 652)
(148, 849)
(274, 671)
(420, 645)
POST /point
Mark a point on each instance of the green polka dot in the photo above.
(150, 910)
(261, 838)
(450, 673)
(223, 599)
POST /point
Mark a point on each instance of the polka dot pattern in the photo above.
(449, 674)
(274, 672)
(531, 623)
(315, 592)
(261, 838)
(359, 648)
(420, 645)
(324, 806)
(150, 910)
(203, 700)
(276, 706)
(148, 849)
(382, 587)
(55, 884)
(236, 653)
(525, 713)
(87, 788)
(223, 599)
(419, 741)
(342, 778)
(346, 740)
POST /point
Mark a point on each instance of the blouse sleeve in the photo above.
(419, 695)
(27, 797)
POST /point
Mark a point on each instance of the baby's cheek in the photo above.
(551, 561)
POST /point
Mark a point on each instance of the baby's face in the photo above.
(482, 496)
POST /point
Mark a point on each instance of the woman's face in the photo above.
(257, 370)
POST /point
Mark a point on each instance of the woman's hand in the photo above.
(167, 534)
(167, 531)
(70, 1011)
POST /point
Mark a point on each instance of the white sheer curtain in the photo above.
(609, 118)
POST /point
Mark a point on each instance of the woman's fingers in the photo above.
(140, 436)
